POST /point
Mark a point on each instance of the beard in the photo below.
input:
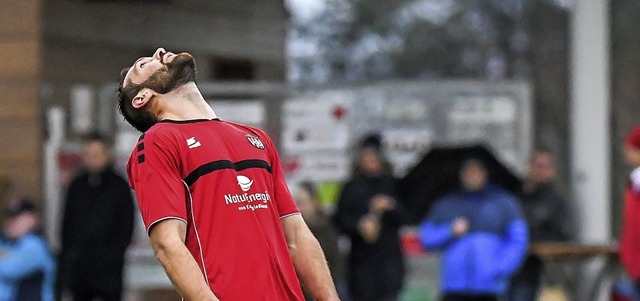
(181, 70)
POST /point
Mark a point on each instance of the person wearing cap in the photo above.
(481, 233)
(27, 268)
(630, 237)
(368, 213)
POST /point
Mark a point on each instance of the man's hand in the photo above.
(369, 227)
(167, 239)
(381, 203)
(460, 226)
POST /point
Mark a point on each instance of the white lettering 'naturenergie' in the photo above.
(246, 197)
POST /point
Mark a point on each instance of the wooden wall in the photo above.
(20, 72)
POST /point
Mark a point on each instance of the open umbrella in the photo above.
(437, 174)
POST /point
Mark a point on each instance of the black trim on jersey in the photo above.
(141, 137)
(225, 164)
(187, 121)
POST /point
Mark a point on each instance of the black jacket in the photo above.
(548, 214)
(550, 219)
(374, 270)
(96, 229)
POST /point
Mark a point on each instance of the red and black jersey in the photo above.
(629, 253)
(226, 182)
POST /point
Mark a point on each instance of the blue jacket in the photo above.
(22, 262)
(482, 260)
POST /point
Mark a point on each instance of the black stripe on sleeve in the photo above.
(224, 164)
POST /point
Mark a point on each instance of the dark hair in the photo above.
(372, 140)
(140, 119)
(19, 206)
(98, 137)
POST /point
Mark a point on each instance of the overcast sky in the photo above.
(304, 10)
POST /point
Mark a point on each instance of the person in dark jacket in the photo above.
(482, 236)
(549, 217)
(367, 212)
(97, 226)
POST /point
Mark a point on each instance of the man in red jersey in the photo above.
(212, 193)
(630, 237)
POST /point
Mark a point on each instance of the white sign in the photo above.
(314, 137)
(481, 109)
(329, 108)
(124, 143)
(407, 110)
(81, 98)
(316, 167)
(404, 147)
(314, 125)
(249, 112)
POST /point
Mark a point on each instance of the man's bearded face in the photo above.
(179, 71)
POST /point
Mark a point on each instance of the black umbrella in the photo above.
(437, 174)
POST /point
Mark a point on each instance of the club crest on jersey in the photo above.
(255, 141)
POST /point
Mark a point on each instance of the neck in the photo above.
(185, 103)
(531, 184)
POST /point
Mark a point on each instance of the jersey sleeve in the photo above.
(154, 174)
(284, 200)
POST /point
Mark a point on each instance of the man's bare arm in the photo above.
(167, 240)
(308, 259)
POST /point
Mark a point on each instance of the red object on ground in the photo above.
(411, 244)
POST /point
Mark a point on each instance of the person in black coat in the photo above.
(97, 227)
(549, 218)
(367, 212)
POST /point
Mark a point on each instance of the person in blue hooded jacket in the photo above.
(27, 268)
(481, 233)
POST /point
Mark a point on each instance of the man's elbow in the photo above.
(303, 239)
(296, 242)
(164, 248)
(293, 247)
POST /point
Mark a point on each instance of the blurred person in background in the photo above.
(27, 268)
(549, 218)
(481, 233)
(97, 226)
(630, 237)
(368, 213)
(320, 225)
(212, 193)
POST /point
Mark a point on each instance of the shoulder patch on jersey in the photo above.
(255, 141)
